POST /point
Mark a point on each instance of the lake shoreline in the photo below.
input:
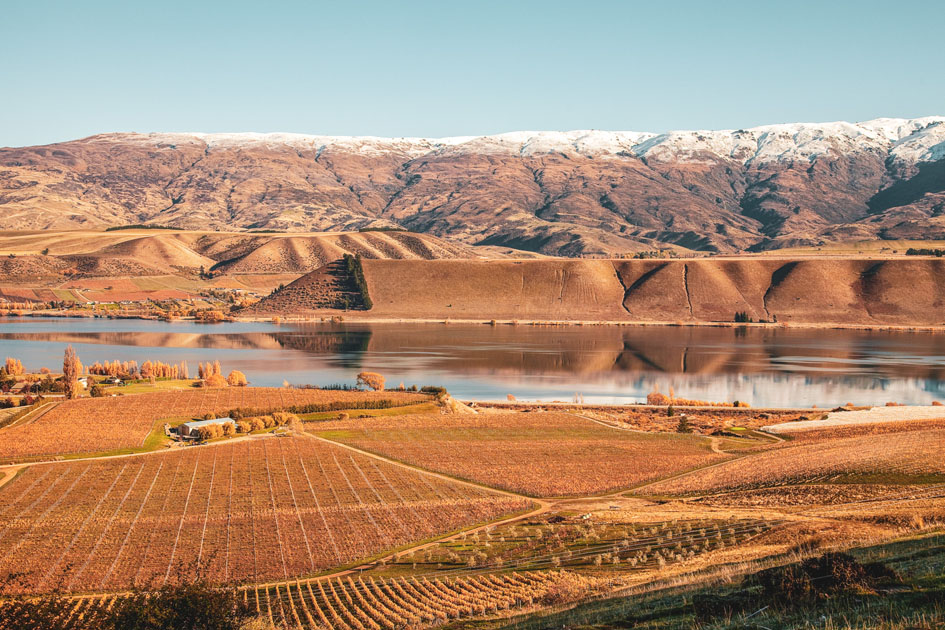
(355, 317)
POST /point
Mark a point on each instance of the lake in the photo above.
(604, 364)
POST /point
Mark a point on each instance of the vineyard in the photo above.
(895, 458)
(92, 425)
(538, 454)
(255, 510)
(356, 603)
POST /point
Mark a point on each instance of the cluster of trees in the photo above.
(250, 424)
(743, 317)
(209, 316)
(924, 251)
(12, 367)
(120, 369)
(148, 369)
(212, 376)
(212, 431)
(277, 419)
(356, 271)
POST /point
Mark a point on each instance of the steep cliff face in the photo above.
(560, 193)
(808, 291)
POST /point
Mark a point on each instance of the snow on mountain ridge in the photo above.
(905, 140)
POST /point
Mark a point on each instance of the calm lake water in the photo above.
(604, 364)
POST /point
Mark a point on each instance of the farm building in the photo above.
(188, 430)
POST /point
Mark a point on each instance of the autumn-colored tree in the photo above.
(184, 370)
(12, 367)
(236, 379)
(214, 380)
(71, 368)
(371, 379)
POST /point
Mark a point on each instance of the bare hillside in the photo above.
(51, 256)
(907, 292)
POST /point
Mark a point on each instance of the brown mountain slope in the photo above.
(571, 193)
(908, 292)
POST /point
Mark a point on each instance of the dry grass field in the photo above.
(95, 425)
(538, 454)
(253, 510)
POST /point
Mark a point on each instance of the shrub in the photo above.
(819, 578)
(97, 391)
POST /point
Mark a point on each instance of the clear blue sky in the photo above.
(73, 68)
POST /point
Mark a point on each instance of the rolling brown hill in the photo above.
(823, 290)
(84, 254)
(559, 193)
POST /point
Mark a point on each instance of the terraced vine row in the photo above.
(356, 603)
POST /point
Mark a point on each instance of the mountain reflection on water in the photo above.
(765, 367)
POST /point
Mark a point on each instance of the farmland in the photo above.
(537, 454)
(414, 512)
(913, 457)
(94, 425)
(253, 510)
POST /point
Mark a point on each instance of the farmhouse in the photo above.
(188, 430)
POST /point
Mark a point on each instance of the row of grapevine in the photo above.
(260, 509)
(512, 450)
(358, 603)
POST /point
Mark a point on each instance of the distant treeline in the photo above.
(916, 251)
(140, 226)
(383, 229)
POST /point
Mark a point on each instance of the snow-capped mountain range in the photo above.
(908, 140)
(562, 193)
